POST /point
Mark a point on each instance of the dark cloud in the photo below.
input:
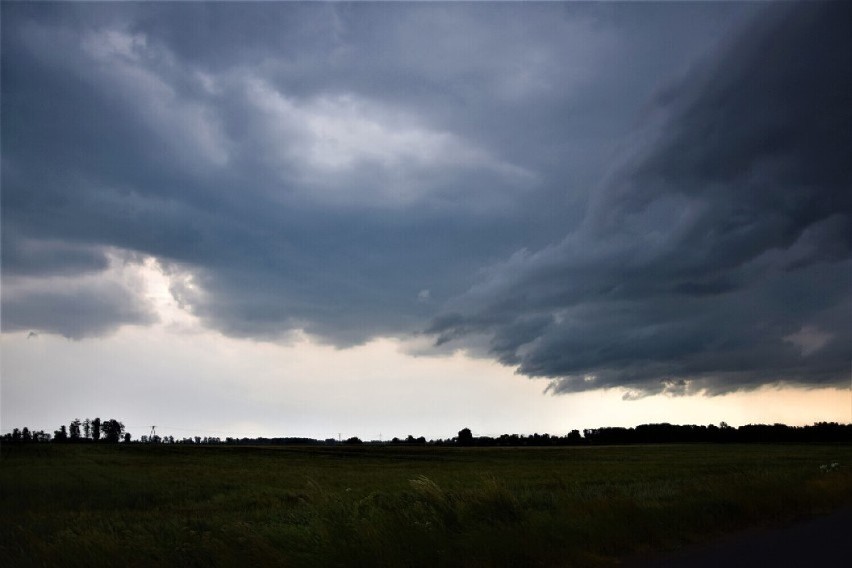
(718, 256)
(40, 258)
(94, 309)
(318, 166)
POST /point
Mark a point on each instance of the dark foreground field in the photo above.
(141, 505)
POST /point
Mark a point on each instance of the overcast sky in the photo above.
(393, 218)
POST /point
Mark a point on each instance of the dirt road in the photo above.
(823, 542)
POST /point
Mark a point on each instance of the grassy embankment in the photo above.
(383, 506)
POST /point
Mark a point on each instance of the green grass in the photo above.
(394, 506)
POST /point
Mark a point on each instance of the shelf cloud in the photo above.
(650, 197)
(718, 255)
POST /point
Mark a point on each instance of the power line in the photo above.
(199, 430)
(230, 433)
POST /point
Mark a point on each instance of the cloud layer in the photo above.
(653, 196)
(717, 256)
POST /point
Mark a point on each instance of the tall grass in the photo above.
(382, 506)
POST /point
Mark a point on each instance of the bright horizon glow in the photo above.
(177, 375)
(263, 389)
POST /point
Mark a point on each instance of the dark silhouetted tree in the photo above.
(113, 429)
(87, 428)
(96, 429)
(25, 435)
(574, 437)
(465, 437)
(74, 430)
(127, 437)
(60, 435)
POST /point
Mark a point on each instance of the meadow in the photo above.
(167, 505)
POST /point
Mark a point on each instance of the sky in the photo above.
(382, 219)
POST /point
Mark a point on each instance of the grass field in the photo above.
(135, 505)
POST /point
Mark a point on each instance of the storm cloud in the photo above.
(717, 255)
(653, 197)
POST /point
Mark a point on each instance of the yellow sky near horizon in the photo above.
(189, 380)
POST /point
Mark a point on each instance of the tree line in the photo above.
(665, 433)
(90, 430)
(112, 431)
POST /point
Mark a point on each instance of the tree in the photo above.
(96, 429)
(25, 435)
(60, 435)
(113, 429)
(127, 437)
(74, 429)
(87, 427)
(465, 437)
